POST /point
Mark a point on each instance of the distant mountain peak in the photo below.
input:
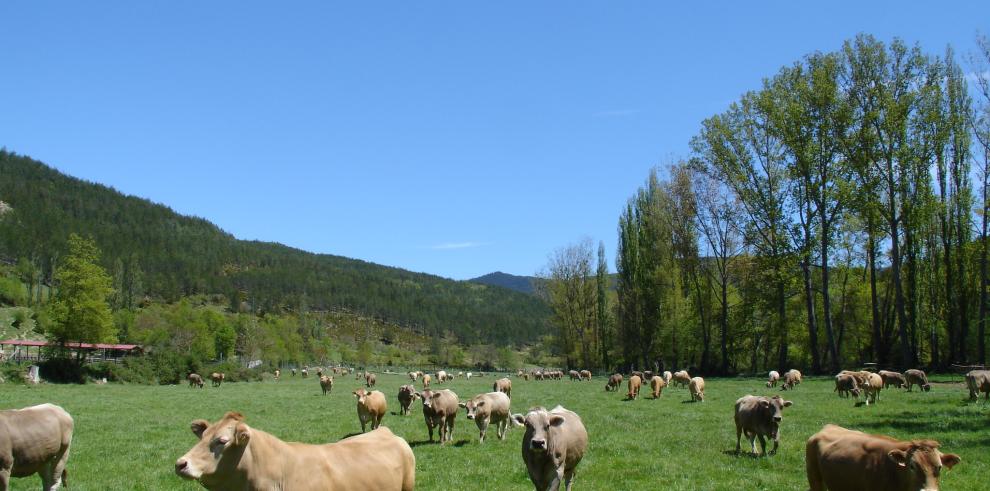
(518, 283)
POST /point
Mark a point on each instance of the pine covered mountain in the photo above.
(518, 283)
(152, 250)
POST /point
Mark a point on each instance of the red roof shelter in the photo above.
(110, 352)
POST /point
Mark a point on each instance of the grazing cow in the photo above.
(326, 383)
(553, 446)
(319, 372)
(861, 376)
(35, 440)
(647, 375)
(232, 455)
(681, 378)
(760, 417)
(439, 410)
(485, 409)
(846, 384)
(526, 377)
(574, 375)
(638, 374)
(217, 378)
(304, 372)
(278, 374)
(441, 376)
(293, 372)
(370, 380)
(872, 387)
(791, 379)
(407, 393)
(837, 458)
(634, 385)
(359, 375)
(917, 377)
(503, 385)
(370, 407)
(667, 376)
(460, 374)
(426, 381)
(773, 378)
(614, 382)
(697, 387)
(895, 379)
(657, 384)
(586, 375)
(519, 373)
(195, 379)
(978, 381)
(413, 376)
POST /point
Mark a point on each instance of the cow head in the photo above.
(924, 462)
(429, 398)
(926, 387)
(362, 395)
(538, 422)
(216, 455)
(773, 409)
(474, 407)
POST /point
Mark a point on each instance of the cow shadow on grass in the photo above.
(741, 454)
(923, 423)
(457, 444)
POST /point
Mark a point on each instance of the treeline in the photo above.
(834, 217)
(155, 255)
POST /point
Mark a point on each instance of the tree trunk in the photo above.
(782, 316)
(834, 362)
(724, 324)
(981, 343)
(880, 354)
(809, 303)
(895, 253)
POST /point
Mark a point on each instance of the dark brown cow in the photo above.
(407, 393)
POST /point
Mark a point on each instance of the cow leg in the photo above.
(4, 479)
(776, 442)
(430, 427)
(763, 444)
(738, 437)
(557, 478)
(483, 429)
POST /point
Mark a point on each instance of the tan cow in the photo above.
(917, 377)
(657, 384)
(232, 455)
(413, 376)
(553, 446)
(195, 379)
(978, 381)
(681, 378)
(503, 385)
(439, 410)
(759, 417)
(586, 375)
(426, 381)
(217, 378)
(846, 384)
(697, 387)
(837, 458)
(872, 387)
(791, 379)
(370, 380)
(773, 378)
(407, 393)
(441, 376)
(895, 379)
(574, 375)
(634, 385)
(326, 383)
(614, 382)
(486, 409)
(667, 377)
(371, 408)
(304, 372)
(35, 440)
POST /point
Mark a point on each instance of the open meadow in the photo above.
(129, 436)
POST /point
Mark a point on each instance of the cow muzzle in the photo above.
(538, 444)
(470, 416)
(777, 419)
(186, 471)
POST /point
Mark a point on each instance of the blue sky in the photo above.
(455, 138)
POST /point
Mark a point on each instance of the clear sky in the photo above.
(455, 138)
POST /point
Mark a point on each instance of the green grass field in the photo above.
(128, 437)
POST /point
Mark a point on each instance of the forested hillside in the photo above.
(156, 254)
(518, 283)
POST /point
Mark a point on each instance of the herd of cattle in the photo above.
(232, 455)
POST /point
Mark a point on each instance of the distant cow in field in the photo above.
(634, 385)
(217, 378)
(413, 376)
(574, 375)
(697, 386)
(503, 385)
(656, 386)
(681, 378)
(553, 446)
(614, 382)
(293, 372)
(371, 408)
(791, 379)
(667, 376)
(426, 381)
(872, 387)
(326, 383)
(407, 393)
(978, 381)
(846, 384)
(195, 379)
(839, 459)
(773, 378)
(917, 377)
(586, 375)
(304, 372)
(759, 417)
(35, 440)
(370, 379)
(486, 409)
(441, 376)
(278, 374)
(895, 379)
(439, 410)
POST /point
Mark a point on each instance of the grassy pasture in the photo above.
(128, 437)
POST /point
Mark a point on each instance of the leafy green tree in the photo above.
(80, 311)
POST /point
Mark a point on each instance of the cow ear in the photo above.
(519, 419)
(765, 403)
(198, 427)
(434, 395)
(788, 403)
(899, 457)
(556, 420)
(480, 403)
(461, 404)
(950, 459)
(242, 434)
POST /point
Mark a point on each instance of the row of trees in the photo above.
(836, 215)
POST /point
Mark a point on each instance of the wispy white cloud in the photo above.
(616, 112)
(457, 245)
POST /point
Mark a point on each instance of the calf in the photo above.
(634, 385)
(553, 446)
(773, 378)
(978, 381)
(614, 382)
(35, 440)
(656, 385)
(837, 458)
(681, 378)
(846, 384)
(407, 393)
(503, 385)
(895, 379)
(791, 379)
(697, 387)
(917, 377)
(485, 409)
(232, 455)
(370, 407)
(759, 417)
(326, 383)
(195, 379)
(440, 410)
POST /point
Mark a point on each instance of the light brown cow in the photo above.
(195, 379)
(634, 385)
(681, 378)
(667, 376)
(371, 408)
(697, 387)
(441, 376)
(613, 382)
(574, 375)
(759, 417)
(895, 379)
(978, 381)
(232, 455)
(35, 440)
(553, 446)
(837, 458)
(426, 381)
(791, 379)
(304, 372)
(872, 387)
(439, 410)
(656, 385)
(407, 393)
(773, 378)
(917, 377)
(413, 376)
(485, 409)
(846, 384)
(217, 378)
(370, 380)
(503, 385)
(326, 383)
(586, 375)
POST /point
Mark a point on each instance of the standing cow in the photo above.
(586, 375)
(371, 408)
(872, 387)
(759, 417)
(326, 383)
(697, 387)
(773, 378)
(278, 374)
(681, 378)
(217, 378)
(895, 379)
(35, 440)
(486, 409)
(407, 393)
(503, 385)
(553, 446)
(613, 382)
(978, 381)
(917, 377)
(791, 379)
(634, 385)
(439, 410)
(370, 380)
(656, 386)
(667, 376)
(846, 384)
